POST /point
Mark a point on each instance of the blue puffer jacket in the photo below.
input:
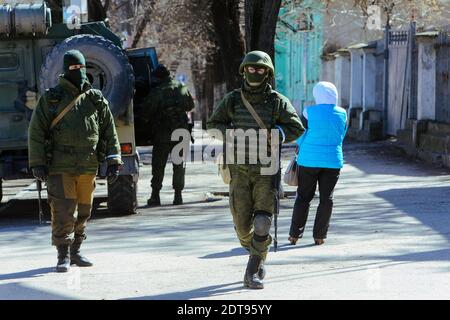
(321, 145)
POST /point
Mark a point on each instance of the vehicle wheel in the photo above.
(122, 196)
(107, 67)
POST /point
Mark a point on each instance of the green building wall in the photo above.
(298, 48)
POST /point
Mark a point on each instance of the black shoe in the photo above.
(292, 240)
(77, 258)
(319, 242)
(63, 258)
(177, 199)
(251, 278)
(154, 199)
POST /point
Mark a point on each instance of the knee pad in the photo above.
(261, 225)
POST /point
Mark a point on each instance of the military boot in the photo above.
(154, 199)
(177, 199)
(63, 258)
(77, 258)
(251, 278)
(261, 271)
(262, 268)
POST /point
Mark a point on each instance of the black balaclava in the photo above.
(256, 79)
(259, 89)
(76, 76)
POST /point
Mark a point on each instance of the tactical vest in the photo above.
(268, 111)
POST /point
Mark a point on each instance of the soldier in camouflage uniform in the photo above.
(253, 195)
(67, 156)
(165, 109)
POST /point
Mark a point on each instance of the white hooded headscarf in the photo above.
(325, 93)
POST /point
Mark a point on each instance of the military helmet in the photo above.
(257, 58)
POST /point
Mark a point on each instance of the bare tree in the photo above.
(143, 23)
(205, 34)
(400, 12)
(228, 35)
(261, 18)
(96, 11)
(106, 5)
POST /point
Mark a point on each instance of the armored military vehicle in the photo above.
(31, 58)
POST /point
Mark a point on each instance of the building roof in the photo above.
(357, 46)
(427, 34)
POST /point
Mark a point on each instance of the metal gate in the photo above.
(442, 78)
(403, 73)
(397, 69)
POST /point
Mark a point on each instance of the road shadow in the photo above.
(386, 157)
(287, 246)
(100, 211)
(430, 206)
(367, 263)
(17, 291)
(235, 252)
(210, 291)
(34, 273)
(185, 204)
(423, 256)
(29, 209)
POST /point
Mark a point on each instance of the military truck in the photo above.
(31, 59)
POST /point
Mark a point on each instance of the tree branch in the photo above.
(142, 24)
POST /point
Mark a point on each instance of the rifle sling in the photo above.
(66, 110)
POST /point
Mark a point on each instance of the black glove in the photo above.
(40, 173)
(112, 173)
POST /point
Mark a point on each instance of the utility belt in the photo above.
(73, 149)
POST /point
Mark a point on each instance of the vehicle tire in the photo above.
(122, 196)
(107, 67)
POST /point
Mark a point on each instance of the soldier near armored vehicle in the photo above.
(253, 194)
(71, 131)
(165, 109)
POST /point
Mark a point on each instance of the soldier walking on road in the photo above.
(165, 108)
(252, 194)
(71, 131)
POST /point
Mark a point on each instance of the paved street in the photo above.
(389, 239)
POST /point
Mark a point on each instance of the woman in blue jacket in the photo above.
(320, 159)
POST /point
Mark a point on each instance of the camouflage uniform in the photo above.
(252, 195)
(71, 153)
(165, 109)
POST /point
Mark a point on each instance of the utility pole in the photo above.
(386, 75)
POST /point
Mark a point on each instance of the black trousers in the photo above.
(308, 178)
(160, 156)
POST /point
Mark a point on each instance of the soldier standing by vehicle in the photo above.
(165, 108)
(252, 195)
(71, 131)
